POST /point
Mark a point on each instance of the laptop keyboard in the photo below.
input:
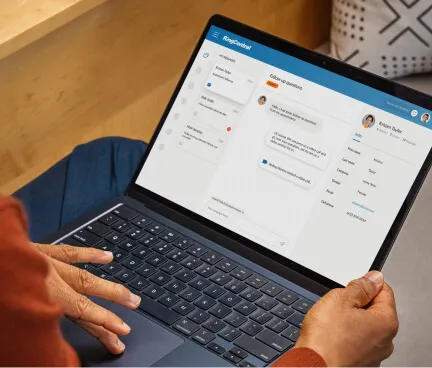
(194, 290)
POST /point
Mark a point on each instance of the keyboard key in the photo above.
(220, 311)
(141, 221)
(277, 325)
(245, 363)
(159, 311)
(214, 325)
(205, 302)
(230, 299)
(142, 252)
(185, 275)
(72, 242)
(251, 328)
(216, 348)
(120, 254)
(121, 226)
(169, 235)
(251, 294)
(182, 242)
(199, 316)
(99, 273)
(146, 270)
(139, 283)
(256, 281)
(231, 357)
(239, 352)
(256, 348)
(235, 319)
(205, 270)
(235, 286)
(273, 340)
(271, 289)
(287, 297)
(132, 262)
(197, 250)
(282, 311)
(192, 262)
(214, 291)
(296, 319)
(211, 257)
(245, 308)
(199, 283)
(148, 240)
(175, 286)
(177, 255)
(190, 294)
(115, 237)
(125, 213)
(108, 219)
(162, 247)
(98, 228)
(184, 308)
(156, 260)
(125, 275)
(265, 302)
(226, 265)
(241, 273)
(302, 305)
(86, 237)
(105, 246)
(169, 300)
(153, 291)
(261, 316)
(229, 333)
(155, 228)
(112, 268)
(170, 267)
(203, 336)
(291, 333)
(135, 233)
(160, 278)
(221, 278)
(186, 326)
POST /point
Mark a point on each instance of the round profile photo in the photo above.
(368, 121)
(425, 118)
(262, 100)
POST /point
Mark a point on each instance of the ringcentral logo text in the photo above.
(237, 43)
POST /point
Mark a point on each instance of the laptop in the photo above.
(274, 175)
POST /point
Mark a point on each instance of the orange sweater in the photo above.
(29, 318)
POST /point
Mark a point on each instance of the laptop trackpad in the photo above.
(145, 345)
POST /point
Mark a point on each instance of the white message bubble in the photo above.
(294, 115)
(288, 171)
(298, 148)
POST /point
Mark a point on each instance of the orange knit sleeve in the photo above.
(300, 357)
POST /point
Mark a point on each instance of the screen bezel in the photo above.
(324, 62)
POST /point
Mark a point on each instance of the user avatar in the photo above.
(262, 100)
(425, 118)
(368, 121)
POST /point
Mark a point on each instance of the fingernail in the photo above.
(104, 257)
(120, 345)
(375, 276)
(126, 326)
(134, 300)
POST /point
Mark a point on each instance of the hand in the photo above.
(354, 326)
(68, 285)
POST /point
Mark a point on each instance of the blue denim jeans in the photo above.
(92, 174)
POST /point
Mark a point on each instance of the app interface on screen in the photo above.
(302, 161)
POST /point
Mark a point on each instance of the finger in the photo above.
(360, 292)
(68, 254)
(107, 338)
(384, 304)
(86, 283)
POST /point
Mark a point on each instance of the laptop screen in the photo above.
(305, 162)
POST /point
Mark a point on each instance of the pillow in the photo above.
(391, 38)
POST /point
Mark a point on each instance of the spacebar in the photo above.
(158, 311)
(256, 348)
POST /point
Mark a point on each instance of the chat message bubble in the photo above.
(229, 83)
(294, 115)
(290, 171)
(298, 148)
(201, 141)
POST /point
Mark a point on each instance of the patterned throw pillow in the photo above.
(391, 38)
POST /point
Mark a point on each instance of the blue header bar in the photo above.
(315, 74)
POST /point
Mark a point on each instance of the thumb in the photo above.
(360, 292)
